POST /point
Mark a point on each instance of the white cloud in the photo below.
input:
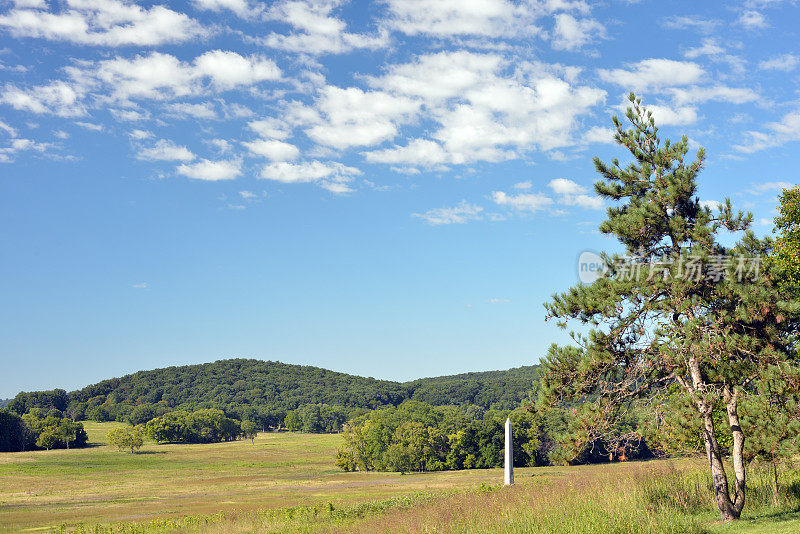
(130, 115)
(772, 186)
(57, 98)
(573, 194)
(270, 128)
(423, 152)
(482, 112)
(709, 47)
(447, 18)
(571, 33)
(163, 76)
(753, 20)
(690, 23)
(316, 30)
(670, 115)
(140, 134)
(530, 202)
(460, 214)
(211, 171)
(140, 285)
(222, 145)
(186, 110)
(497, 301)
(785, 63)
(654, 74)
(240, 7)
(165, 150)
(332, 176)
(8, 129)
(90, 126)
(713, 205)
(21, 145)
(523, 185)
(778, 133)
(352, 117)
(598, 134)
(227, 70)
(103, 22)
(698, 95)
(273, 149)
(563, 186)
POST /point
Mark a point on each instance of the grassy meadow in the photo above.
(287, 482)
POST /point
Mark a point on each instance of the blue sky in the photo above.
(388, 188)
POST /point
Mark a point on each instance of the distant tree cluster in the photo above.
(126, 438)
(38, 429)
(416, 436)
(201, 426)
(272, 395)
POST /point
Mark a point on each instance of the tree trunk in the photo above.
(738, 450)
(718, 475)
(727, 509)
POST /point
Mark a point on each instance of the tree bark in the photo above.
(727, 509)
(738, 450)
(721, 494)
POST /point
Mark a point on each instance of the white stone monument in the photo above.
(509, 478)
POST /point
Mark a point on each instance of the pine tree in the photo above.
(678, 311)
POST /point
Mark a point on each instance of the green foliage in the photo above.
(44, 400)
(786, 255)
(264, 392)
(37, 428)
(201, 426)
(249, 430)
(126, 438)
(711, 335)
(416, 436)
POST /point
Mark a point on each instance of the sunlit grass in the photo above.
(286, 483)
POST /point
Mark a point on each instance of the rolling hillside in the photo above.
(248, 382)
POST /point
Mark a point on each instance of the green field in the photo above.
(286, 481)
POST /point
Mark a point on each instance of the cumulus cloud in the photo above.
(459, 214)
(486, 18)
(752, 20)
(573, 194)
(56, 98)
(163, 76)
(571, 33)
(333, 176)
(317, 31)
(101, 22)
(776, 134)
(526, 202)
(240, 7)
(211, 171)
(785, 63)
(684, 22)
(165, 150)
(720, 93)
(713, 205)
(273, 149)
(16, 145)
(187, 110)
(654, 74)
(482, 112)
(353, 117)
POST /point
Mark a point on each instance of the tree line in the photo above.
(266, 392)
(38, 429)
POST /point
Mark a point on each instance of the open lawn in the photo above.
(287, 482)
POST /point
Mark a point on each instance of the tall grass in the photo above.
(646, 498)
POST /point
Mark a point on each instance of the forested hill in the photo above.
(257, 383)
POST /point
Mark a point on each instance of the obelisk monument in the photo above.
(509, 478)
